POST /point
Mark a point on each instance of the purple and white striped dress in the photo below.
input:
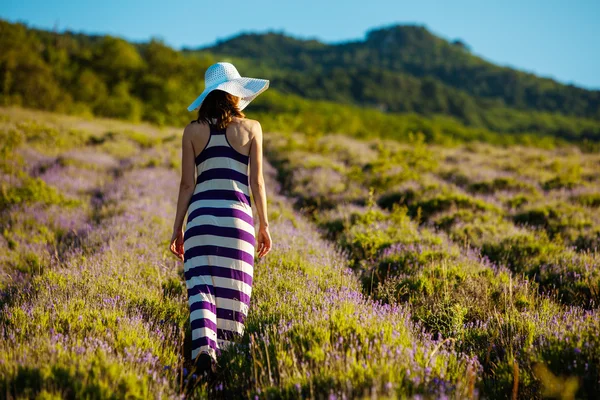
(219, 242)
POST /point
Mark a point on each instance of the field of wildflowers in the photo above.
(398, 270)
(494, 249)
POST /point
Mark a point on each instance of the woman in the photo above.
(218, 242)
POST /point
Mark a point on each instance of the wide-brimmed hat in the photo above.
(224, 76)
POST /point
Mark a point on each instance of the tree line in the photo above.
(103, 75)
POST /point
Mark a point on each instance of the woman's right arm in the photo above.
(257, 184)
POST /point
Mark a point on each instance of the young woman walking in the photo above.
(218, 242)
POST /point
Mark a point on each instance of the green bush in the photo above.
(445, 201)
(508, 184)
(33, 190)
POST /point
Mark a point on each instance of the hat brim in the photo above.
(245, 88)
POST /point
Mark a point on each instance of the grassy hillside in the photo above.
(493, 249)
(96, 305)
(435, 220)
(398, 270)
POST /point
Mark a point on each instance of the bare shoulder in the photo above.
(193, 128)
(188, 131)
(250, 125)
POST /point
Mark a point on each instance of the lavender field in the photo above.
(399, 270)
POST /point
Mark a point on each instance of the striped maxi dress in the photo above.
(219, 240)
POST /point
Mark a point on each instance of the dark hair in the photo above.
(220, 105)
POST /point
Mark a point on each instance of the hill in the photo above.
(406, 68)
(473, 269)
(397, 82)
(98, 307)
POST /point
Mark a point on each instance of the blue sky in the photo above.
(552, 38)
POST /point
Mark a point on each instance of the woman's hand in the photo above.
(264, 241)
(176, 245)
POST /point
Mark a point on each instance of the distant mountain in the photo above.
(400, 80)
(405, 68)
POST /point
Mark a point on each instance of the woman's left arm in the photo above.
(186, 190)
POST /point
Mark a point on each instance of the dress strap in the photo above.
(211, 126)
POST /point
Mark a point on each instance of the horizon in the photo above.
(512, 35)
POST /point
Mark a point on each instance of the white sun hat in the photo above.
(224, 76)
